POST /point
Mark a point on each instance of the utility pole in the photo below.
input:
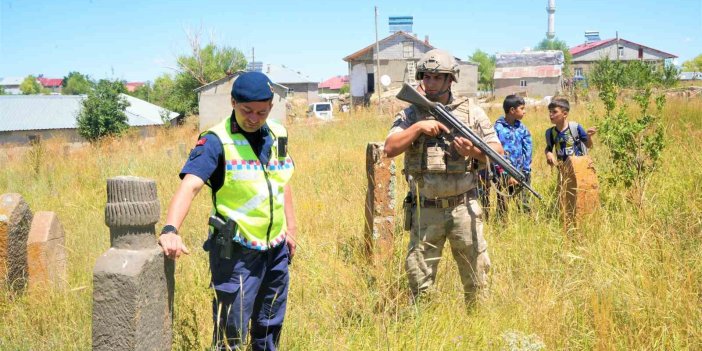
(377, 61)
(253, 58)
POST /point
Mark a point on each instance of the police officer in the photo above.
(442, 180)
(244, 161)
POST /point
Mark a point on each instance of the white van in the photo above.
(320, 110)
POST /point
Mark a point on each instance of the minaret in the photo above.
(551, 10)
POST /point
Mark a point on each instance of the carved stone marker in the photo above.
(15, 219)
(46, 252)
(579, 190)
(380, 203)
(132, 282)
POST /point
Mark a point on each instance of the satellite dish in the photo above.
(385, 80)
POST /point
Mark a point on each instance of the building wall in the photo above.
(22, 137)
(307, 91)
(535, 86)
(215, 105)
(467, 80)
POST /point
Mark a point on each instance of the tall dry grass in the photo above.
(631, 278)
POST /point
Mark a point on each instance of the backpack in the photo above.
(573, 128)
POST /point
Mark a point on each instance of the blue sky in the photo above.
(139, 40)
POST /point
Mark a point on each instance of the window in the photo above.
(522, 83)
(621, 51)
(407, 49)
(640, 53)
(578, 71)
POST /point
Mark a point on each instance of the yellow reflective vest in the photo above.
(253, 194)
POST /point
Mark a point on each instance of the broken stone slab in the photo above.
(380, 203)
(131, 212)
(133, 300)
(46, 252)
(15, 221)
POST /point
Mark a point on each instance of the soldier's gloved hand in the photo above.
(172, 245)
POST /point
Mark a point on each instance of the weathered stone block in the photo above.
(131, 212)
(133, 300)
(46, 252)
(579, 190)
(15, 220)
(380, 203)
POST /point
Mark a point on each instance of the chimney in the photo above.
(426, 39)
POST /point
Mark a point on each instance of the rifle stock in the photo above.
(409, 94)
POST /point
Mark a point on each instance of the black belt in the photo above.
(450, 201)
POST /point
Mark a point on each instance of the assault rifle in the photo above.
(438, 110)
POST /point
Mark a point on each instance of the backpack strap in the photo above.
(573, 127)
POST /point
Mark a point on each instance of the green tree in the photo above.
(103, 111)
(556, 44)
(635, 143)
(486, 69)
(2, 91)
(345, 89)
(694, 65)
(30, 85)
(204, 65)
(76, 83)
(143, 92)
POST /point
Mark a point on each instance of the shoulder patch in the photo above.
(201, 142)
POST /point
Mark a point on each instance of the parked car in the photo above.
(320, 110)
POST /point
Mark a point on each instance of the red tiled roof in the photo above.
(334, 83)
(587, 46)
(131, 86)
(50, 82)
(527, 72)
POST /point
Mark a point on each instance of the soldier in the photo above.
(442, 203)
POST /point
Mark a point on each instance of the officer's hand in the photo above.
(172, 245)
(290, 241)
(431, 127)
(464, 147)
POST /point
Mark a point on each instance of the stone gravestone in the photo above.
(46, 252)
(380, 204)
(15, 219)
(579, 190)
(133, 281)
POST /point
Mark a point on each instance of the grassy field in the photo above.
(629, 279)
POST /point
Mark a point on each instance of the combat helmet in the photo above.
(437, 61)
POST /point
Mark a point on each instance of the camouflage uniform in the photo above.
(435, 171)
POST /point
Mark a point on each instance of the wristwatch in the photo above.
(169, 229)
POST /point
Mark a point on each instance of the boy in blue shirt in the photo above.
(569, 138)
(516, 141)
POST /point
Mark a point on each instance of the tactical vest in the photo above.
(253, 194)
(435, 154)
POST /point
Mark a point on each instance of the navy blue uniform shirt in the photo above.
(206, 160)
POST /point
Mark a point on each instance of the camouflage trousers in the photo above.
(462, 226)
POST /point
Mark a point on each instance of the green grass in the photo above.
(631, 279)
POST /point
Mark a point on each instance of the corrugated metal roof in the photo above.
(38, 112)
(371, 47)
(527, 72)
(690, 76)
(285, 75)
(529, 58)
(11, 81)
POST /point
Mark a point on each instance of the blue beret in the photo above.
(252, 86)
